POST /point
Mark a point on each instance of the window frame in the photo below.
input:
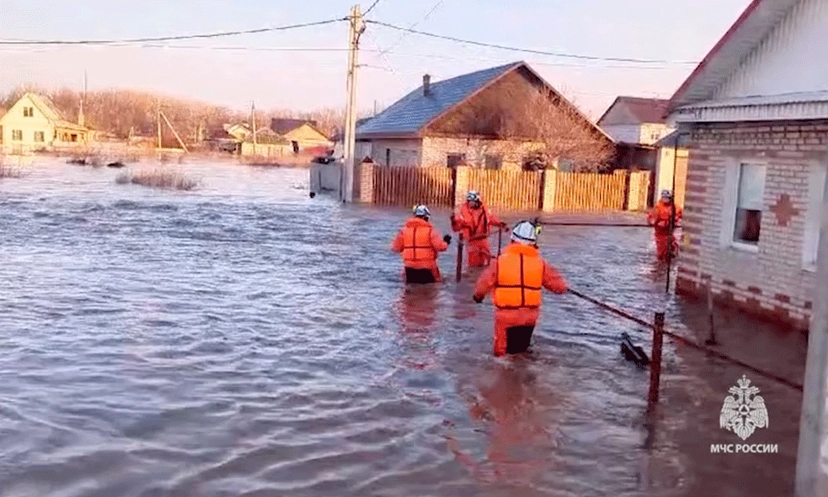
(28, 111)
(733, 176)
(462, 159)
(42, 137)
(810, 236)
(498, 158)
(17, 135)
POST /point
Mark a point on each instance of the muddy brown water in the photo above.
(246, 340)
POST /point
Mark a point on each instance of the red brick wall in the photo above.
(771, 283)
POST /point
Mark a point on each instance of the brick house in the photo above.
(755, 113)
(458, 121)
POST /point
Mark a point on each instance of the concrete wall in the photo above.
(400, 153)
(265, 150)
(775, 278)
(651, 133)
(325, 177)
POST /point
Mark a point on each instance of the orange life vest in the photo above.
(519, 278)
(417, 244)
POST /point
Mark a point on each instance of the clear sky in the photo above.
(678, 31)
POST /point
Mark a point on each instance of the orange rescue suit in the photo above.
(419, 243)
(659, 219)
(475, 226)
(516, 280)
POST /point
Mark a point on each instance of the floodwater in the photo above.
(246, 340)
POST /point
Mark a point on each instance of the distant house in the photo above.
(240, 132)
(461, 121)
(34, 123)
(303, 135)
(755, 114)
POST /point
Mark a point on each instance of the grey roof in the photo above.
(414, 111)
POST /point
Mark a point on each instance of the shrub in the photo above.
(158, 179)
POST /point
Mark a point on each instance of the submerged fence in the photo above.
(502, 189)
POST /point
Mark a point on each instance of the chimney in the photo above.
(426, 85)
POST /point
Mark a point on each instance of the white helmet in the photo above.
(421, 211)
(525, 232)
(473, 196)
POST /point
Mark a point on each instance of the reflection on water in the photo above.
(244, 339)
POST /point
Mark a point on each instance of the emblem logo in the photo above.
(743, 410)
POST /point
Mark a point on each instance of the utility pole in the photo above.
(811, 469)
(253, 120)
(347, 178)
(81, 117)
(158, 118)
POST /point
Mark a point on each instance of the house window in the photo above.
(74, 137)
(17, 135)
(493, 161)
(816, 192)
(454, 160)
(566, 166)
(39, 136)
(28, 111)
(749, 200)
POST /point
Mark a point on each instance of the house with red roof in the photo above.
(754, 114)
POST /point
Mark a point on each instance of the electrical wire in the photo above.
(173, 38)
(402, 36)
(526, 50)
(371, 7)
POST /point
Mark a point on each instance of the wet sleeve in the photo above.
(398, 243)
(437, 241)
(457, 222)
(486, 281)
(552, 279)
(494, 220)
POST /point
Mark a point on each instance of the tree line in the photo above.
(124, 113)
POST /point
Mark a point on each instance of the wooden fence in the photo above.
(589, 192)
(409, 186)
(507, 190)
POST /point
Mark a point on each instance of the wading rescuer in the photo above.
(659, 219)
(419, 242)
(475, 223)
(516, 280)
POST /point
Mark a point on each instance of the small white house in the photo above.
(755, 114)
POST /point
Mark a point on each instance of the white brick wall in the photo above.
(772, 281)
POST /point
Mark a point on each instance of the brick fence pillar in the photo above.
(365, 186)
(550, 182)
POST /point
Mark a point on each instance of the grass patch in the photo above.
(170, 180)
(9, 172)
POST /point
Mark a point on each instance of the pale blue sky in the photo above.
(674, 30)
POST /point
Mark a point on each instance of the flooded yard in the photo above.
(243, 339)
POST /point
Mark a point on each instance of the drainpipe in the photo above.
(812, 457)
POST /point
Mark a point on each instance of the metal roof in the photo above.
(759, 19)
(413, 112)
(643, 110)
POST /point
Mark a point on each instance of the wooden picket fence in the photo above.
(507, 190)
(413, 185)
(589, 192)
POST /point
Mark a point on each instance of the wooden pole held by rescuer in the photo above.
(655, 364)
(459, 258)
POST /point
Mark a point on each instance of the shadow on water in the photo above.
(244, 339)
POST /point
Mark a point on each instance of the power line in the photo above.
(526, 50)
(371, 7)
(402, 36)
(172, 38)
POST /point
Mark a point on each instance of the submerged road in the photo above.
(246, 340)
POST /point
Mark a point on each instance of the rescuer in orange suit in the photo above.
(659, 219)
(516, 280)
(475, 224)
(419, 242)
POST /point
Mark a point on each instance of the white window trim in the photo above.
(810, 239)
(730, 193)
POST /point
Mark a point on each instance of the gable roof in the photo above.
(755, 23)
(51, 112)
(643, 110)
(410, 115)
(285, 125)
(415, 111)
